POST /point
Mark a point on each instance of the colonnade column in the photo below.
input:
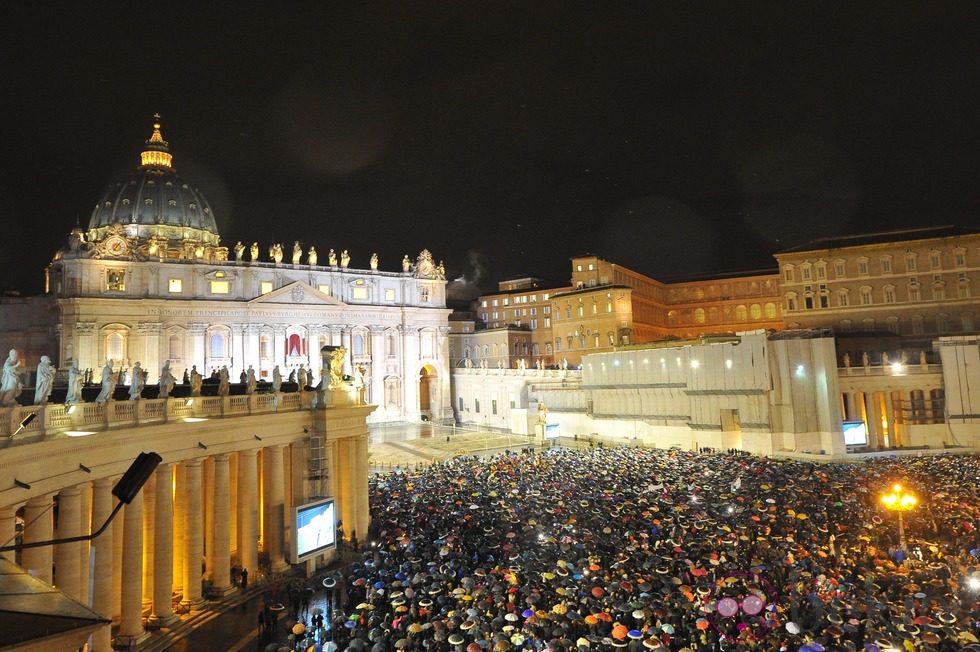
(67, 562)
(193, 534)
(360, 484)
(221, 567)
(8, 530)
(247, 485)
(274, 502)
(38, 526)
(279, 349)
(131, 618)
(163, 547)
(410, 370)
(102, 572)
(850, 408)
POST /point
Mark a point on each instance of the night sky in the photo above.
(680, 139)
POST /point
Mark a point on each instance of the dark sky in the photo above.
(680, 139)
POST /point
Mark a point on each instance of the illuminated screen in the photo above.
(551, 431)
(315, 525)
(855, 433)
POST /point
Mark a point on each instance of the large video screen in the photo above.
(315, 525)
(855, 433)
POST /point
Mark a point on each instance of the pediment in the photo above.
(296, 294)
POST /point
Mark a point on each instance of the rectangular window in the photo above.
(862, 267)
(935, 260)
(886, 265)
(389, 294)
(824, 301)
(840, 269)
(534, 324)
(461, 404)
(960, 259)
(175, 285)
(484, 304)
(493, 406)
(115, 280)
(220, 287)
(964, 293)
(910, 263)
(788, 274)
(324, 288)
(806, 273)
(821, 271)
(547, 322)
(843, 299)
(361, 293)
(808, 302)
(476, 405)
(889, 295)
(914, 294)
(265, 287)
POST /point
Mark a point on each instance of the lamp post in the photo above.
(899, 500)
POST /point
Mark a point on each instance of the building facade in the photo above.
(149, 281)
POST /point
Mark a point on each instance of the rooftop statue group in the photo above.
(12, 380)
(276, 255)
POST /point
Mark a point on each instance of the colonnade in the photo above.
(888, 413)
(191, 521)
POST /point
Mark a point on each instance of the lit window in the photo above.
(755, 310)
(220, 287)
(361, 293)
(390, 294)
(265, 287)
(115, 280)
(324, 288)
(176, 285)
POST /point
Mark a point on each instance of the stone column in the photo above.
(251, 335)
(149, 516)
(117, 563)
(313, 346)
(274, 502)
(193, 535)
(345, 469)
(151, 348)
(84, 547)
(376, 394)
(279, 349)
(359, 480)
(196, 351)
(851, 408)
(247, 486)
(345, 341)
(180, 508)
(162, 611)
(102, 502)
(8, 530)
(38, 526)
(221, 556)
(67, 567)
(889, 414)
(131, 619)
(410, 370)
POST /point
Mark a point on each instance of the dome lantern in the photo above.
(157, 152)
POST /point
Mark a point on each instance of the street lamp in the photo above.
(899, 500)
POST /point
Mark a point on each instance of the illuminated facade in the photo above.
(149, 281)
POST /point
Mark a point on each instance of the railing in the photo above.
(56, 418)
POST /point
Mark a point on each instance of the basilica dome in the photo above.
(153, 204)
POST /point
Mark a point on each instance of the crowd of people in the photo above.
(611, 548)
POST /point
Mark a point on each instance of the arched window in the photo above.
(265, 346)
(756, 311)
(699, 316)
(294, 346)
(358, 344)
(174, 347)
(741, 313)
(770, 310)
